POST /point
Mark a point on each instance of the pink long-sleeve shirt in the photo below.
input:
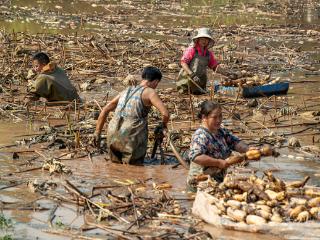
(190, 52)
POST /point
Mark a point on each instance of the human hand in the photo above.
(97, 139)
(195, 78)
(29, 85)
(235, 159)
(44, 100)
(31, 74)
(224, 164)
(165, 131)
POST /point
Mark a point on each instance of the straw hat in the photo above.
(205, 33)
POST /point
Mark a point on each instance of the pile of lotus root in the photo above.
(255, 200)
(246, 82)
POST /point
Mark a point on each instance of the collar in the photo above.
(208, 131)
(199, 49)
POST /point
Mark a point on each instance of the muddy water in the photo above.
(10, 131)
(65, 16)
(290, 166)
(60, 16)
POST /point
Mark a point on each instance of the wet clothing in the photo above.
(218, 146)
(54, 85)
(198, 62)
(127, 136)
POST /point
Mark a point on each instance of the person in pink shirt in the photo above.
(195, 61)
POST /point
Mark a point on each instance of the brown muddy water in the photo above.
(53, 17)
(80, 16)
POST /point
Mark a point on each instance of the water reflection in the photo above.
(313, 14)
(82, 16)
(301, 12)
(9, 131)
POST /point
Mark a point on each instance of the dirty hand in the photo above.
(235, 159)
(159, 131)
(224, 164)
(29, 85)
(41, 99)
(165, 131)
(97, 139)
(195, 78)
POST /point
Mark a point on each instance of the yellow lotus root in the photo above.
(254, 219)
(237, 215)
(281, 196)
(303, 216)
(276, 218)
(271, 194)
(239, 197)
(314, 202)
(264, 208)
(296, 211)
(253, 155)
(233, 204)
(315, 212)
(266, 215)
(298, 201)
(312, 192)
(266, 150)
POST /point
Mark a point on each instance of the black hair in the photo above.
(206, 107)
(42, 58)
(151, 73)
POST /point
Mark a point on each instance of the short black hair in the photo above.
(42, 58)
(206, 107)
(151, 73)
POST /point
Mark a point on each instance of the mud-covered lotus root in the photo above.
(303, 216)
(266, 150)
(253, 200)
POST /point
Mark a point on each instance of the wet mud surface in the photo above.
(99, 47)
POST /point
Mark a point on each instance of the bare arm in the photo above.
(186, 68)
(104, 113)
(241, 147)
(205, 160)
(156, 101)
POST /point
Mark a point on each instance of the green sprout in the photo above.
(59, 223)
(5, 223)
(6, 237)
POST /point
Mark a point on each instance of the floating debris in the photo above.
(55, 166)
(41, 185)
(294, 142)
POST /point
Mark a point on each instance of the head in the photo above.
(203, 38)
(39, 61)
(203, 42)
(152, 76)
(211, 115)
